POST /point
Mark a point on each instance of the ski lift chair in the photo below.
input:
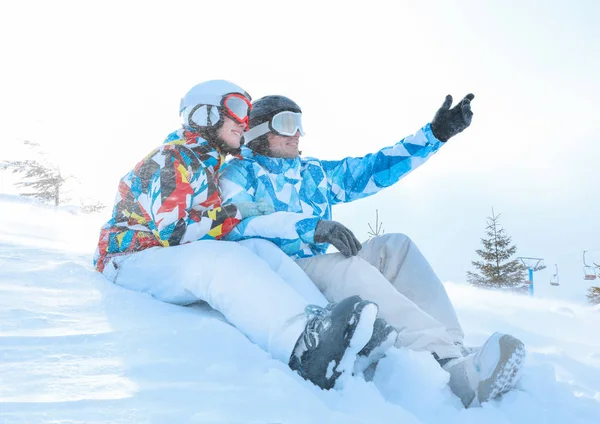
(589, 273)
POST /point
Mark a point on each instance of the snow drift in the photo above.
(75, 348)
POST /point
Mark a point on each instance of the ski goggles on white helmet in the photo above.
(234, 105)
(237, 107)
(285, 123)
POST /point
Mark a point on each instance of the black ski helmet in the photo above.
(262, 111)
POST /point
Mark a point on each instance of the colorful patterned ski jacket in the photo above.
(170, 198)
(302, 190)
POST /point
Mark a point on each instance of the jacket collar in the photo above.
(193, 140)
(272, 165)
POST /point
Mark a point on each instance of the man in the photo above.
(388, 269)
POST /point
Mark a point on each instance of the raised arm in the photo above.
(355, 178)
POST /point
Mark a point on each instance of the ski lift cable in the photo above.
(584, 261)
(594, 253)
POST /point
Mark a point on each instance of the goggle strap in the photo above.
(256, 132)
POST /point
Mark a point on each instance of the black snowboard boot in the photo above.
(384, 337)
(332, 337)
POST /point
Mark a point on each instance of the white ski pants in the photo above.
(264, 299)
(391, 271)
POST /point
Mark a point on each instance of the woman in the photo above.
(162, 239)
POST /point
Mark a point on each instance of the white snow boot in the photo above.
(490, 372)
(384, 337)
(333, 336)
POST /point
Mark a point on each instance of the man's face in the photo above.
(281, 146)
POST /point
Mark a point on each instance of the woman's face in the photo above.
(231, 132)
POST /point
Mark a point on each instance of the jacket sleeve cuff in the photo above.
(431, 138)
(306, 229)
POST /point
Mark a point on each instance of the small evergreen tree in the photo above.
(45, 182)
(378, 229)
(593, 295)
(42, 179)
(497, 270)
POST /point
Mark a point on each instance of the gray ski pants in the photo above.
(391, 271)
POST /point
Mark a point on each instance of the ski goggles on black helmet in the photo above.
(237, 107)
(284, 123)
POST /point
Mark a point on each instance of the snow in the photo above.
(75, 348)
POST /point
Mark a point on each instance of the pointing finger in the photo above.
(466, 100)
(466, 112)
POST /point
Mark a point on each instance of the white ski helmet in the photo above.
(203, 104)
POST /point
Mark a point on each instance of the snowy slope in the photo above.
(75, 348)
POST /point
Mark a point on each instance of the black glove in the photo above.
(335, 233)
(449, 122)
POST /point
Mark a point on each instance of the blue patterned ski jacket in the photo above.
(303, 190)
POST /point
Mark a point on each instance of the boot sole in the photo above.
(363, 362)
(507, 371)
(361, 334)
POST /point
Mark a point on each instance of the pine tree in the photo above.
(593, 293)
(46, 182)
(496, 269)
(43, 180)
